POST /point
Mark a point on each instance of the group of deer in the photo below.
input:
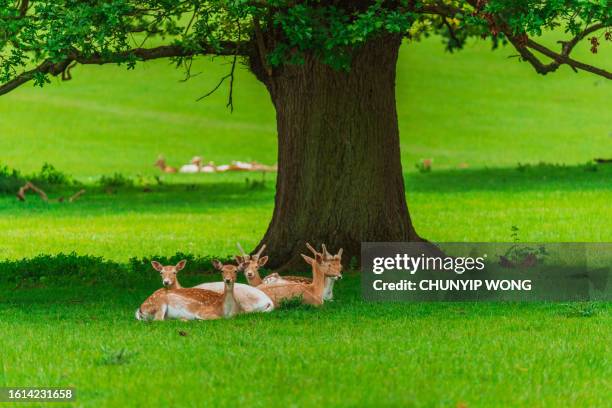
(227, 298)
(196, 165)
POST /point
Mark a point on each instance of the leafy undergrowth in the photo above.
(48, 176)
(346, 353)
(50, 270)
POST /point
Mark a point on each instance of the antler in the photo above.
(326, 254)
(314, 251)
(258, 254)
(241, 249)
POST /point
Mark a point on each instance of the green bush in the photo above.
(115, 180)
(10, 180)
(87, 269)
(195, 264)
(50, 176)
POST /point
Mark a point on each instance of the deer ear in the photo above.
(239, 259)
(157, 266)
(308, 259)
(181, 265)
(218, 265)
(339, 254)
(262, 261)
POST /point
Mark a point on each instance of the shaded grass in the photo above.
(210, 214)
(347, 353)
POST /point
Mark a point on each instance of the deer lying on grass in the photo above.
(161, 163)
(251, 298)
(194, 166)
(250, 264)
(329, 262)
(311, 292)
(175, 302)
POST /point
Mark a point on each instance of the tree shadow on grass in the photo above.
(540, 177)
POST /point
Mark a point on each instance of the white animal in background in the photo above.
(194, 166)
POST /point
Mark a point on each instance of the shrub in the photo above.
(114, 181)
(195, 265)
(10, 180)
(43, 268)
(87, 269)
(49, 175)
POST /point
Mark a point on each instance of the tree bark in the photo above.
(340, 178)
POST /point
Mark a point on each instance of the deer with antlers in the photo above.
(176, 302)
(250, 264)
(251, 298)
(329, 261)
(310, 291)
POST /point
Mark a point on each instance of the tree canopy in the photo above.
(46, 38)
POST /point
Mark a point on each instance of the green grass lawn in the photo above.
(476, 108)
(208, 217)
(349, 353)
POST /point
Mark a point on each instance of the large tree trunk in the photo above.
(339, 172)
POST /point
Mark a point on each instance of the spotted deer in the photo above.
(329, 262)
(311, 292)
(175, 302)
(250, 297)
(250, 264)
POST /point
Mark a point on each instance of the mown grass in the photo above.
(547, 203)
(349, 353)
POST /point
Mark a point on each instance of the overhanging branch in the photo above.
(558, 58)
(49, 67)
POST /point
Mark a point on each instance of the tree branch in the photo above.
(562, 58)
(523, 44)
(141, 54)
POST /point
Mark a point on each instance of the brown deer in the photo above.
(161, 163)
(310, 292)
(250, 264)
(175, 302)
(331, 266)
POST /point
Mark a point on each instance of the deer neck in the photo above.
(318, 279)
(256, 280)
(230, 304)
(175, 285)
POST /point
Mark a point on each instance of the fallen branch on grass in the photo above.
(21, 194)
(29, 186)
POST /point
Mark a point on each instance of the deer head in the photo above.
(228, 272)
(197, 160)
(250, 264)
(169, 273)
(330, 265)
(161, 162)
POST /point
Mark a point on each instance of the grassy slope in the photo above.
(475, 107)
